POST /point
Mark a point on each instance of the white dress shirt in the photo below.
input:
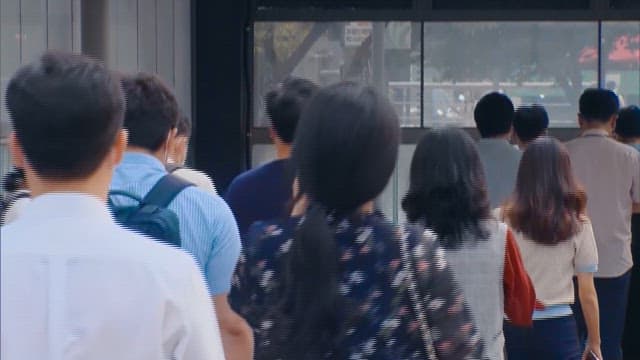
(77, 286)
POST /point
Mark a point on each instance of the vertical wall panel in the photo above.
(76, 23)
(147, 35)
(182, 53)
(10, 54)
(164, 39)
(123, 38)
(34, 28)
(59, 25)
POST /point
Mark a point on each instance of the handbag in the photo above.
(409, 267)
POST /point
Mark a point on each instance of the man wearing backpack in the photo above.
(207, 228)
(74, 283)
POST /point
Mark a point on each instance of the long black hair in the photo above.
(447, 191)
(344, 152)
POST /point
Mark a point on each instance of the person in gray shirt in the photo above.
(494, 115)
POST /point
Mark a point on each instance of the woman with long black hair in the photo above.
(547, 214)
(336, 280)
(447, 195)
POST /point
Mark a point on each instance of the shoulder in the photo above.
(200, 200)
(198, 178)
(270, 239)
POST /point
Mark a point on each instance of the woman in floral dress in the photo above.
(330, 281)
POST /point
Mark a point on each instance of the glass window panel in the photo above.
(621, 59)
(509, 4)
(549, 63)
(383, 54)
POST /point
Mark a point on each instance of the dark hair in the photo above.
(530, 122)
(344, 153)
(493, 115)
(547, 203)
(66, 110)
(14, 180)
(447, 191)
(285, 103)
(152, 110)
(628, 124)
(184, 125)
(598, 104)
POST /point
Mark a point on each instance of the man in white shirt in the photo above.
(74, 284)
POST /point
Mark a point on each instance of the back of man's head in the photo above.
(598, 105)
(285, 104)
(494, 115)
(530, 122)
(628, 124)
(152, 110)
(66, 111)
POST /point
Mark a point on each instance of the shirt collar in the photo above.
(597, 132)
(141, 159)
(66, 205)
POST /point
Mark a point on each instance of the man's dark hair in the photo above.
(598, 104)
(285, 104)
(66, 110)
(184, 125)
(494, 115)
(628, 124)
(530, 122)
(152, 110)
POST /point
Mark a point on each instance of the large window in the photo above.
(435, 72)
(383, 54)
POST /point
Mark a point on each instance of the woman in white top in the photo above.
(178, 154)
(547, 215)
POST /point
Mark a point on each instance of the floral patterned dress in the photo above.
(372, 277)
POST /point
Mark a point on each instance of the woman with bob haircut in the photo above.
(448, 196)
(336, 280)
(547, 214)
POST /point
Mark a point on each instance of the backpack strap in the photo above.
(165, 190)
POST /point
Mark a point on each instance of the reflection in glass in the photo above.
(548, 63)
(621, 59)
(383, 54)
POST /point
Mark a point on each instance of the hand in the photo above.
(592, 348)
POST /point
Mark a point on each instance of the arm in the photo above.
(586, 263)
(519, 294)
(236, 334)
(589, 303)
(447, 311)
(202, 339)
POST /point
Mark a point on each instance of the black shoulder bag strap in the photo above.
(165, 190)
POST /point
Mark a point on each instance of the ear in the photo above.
(580, 120)
(119, 147)
(17, 154)
(613, 121)
(272, 133)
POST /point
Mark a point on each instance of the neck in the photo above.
(596, 125)
(283, 151)
(505, 137)
(159, 154)
(368, 208)
(96, 185)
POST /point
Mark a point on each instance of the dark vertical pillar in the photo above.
(219, 88)
(94, 28)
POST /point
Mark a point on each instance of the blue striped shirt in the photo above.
(207, 227)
